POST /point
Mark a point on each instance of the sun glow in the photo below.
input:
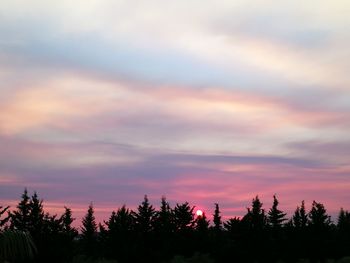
(199, 212)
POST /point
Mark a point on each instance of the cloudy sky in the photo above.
(204, 101)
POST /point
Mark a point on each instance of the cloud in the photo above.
(113, 100)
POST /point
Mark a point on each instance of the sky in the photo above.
(200, 101)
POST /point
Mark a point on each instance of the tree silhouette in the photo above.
(255, 216)
(67, 221)
(148, 235)
(319, 219)
(36, 216)
(51, 224)
(343, 233)
(202, 223)
(319, 226)
(276, 217)
(183, 217)
(89, 232)
(122, 221)
(343, 220)
(164, 219)
(217, 219)
(4, 220)
(63, 235)
(144, 218)
(300, 218)
(232, 225)
(20, 218)
(119, 234)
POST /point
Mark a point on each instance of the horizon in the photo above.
(102, 214)
(206, 102)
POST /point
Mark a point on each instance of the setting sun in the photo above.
(199, 212)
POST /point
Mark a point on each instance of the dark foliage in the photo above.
(20, 218)
(276, 217)
(300, 219)
(173, 234)
(255, 217)
(145, 216)
(3, 220)
(52, 235)
(217, 219)
(89, 232)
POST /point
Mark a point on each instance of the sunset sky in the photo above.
(201, 101)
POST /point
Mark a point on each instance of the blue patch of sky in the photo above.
(126, 60)
(150, 65)
(282, 27)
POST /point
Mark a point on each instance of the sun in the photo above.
(199, 212)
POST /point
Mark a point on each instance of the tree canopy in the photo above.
(172, 234)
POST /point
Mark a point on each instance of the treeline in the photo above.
(172, 234)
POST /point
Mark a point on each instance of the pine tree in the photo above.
(119, 235)
(20, 219)
(164, 218)
(183, 217)
(144, 218)
(276, 217)
(51, 225)
(296, 219)
(67, 221)
(344, 221)
(89, 231)
(120, 222)
(299, 218)
(232, 225)
(36, 216)
(201, 232)
(202, 223)
(256, 217)
(4, 220)
(111, 223)
(319, 219)
(217, 219)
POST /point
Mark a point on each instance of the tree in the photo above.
(232, 225)
(319, 225)
(122, 221)
(344, 221)
(36, 216)
(276, 217)
(217, 219)
(202, 223)
(183, 217)
(164, 218)
(255, 217)
(89, 231)
(67, 221)
(343, 233)
(319, 219)
(59, 235)
(20, 219)
(144, 218)
(300, 218)
(4, 220)
(119, 235)
(303, 215)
